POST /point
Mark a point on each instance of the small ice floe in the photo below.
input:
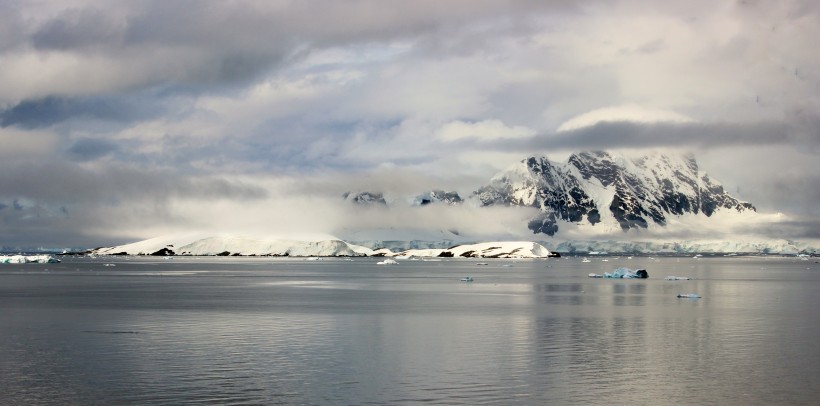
(585, 260)
(467, 279)
(596, 275)
(312, 259)
(109, 264)
(688, 296)
(482, 263)
(387, 261)
(626, 273)
(677, 278)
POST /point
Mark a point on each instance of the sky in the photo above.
(121, 120)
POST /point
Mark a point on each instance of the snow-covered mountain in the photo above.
(600, 201)
(602, 187)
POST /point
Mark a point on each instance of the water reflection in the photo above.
(268, 332)
(559, 287)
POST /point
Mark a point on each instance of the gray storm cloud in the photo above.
(123, 120)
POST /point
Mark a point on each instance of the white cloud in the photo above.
(627, 112)
(481, 130)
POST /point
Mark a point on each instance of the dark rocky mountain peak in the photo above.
(438, 196)
(365, 198)
(597, 186)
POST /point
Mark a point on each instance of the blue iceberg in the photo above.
(626, 273)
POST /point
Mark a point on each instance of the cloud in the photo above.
(52, 110)
(88, 149)
(621, 134)
(482, 130)
(631, 113)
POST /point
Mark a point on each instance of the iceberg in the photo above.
(28, 259)
(387, 261)
(626, 273)
(689, 295)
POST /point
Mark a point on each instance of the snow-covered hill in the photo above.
(244, 246)
(611, 190)
(499, 249)
(235, 245)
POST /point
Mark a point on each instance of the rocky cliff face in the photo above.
(600, 186)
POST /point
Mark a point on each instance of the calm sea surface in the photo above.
(337, 332)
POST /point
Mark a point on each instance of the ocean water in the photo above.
(338, 332)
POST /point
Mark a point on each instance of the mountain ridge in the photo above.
(598, 186)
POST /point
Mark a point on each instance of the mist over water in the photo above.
(289, 331)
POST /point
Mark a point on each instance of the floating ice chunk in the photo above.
(626, 273)
(596, 275)
(677, 278)
(387, 261)
(467, 279)
(688, 295)
(28, 259)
